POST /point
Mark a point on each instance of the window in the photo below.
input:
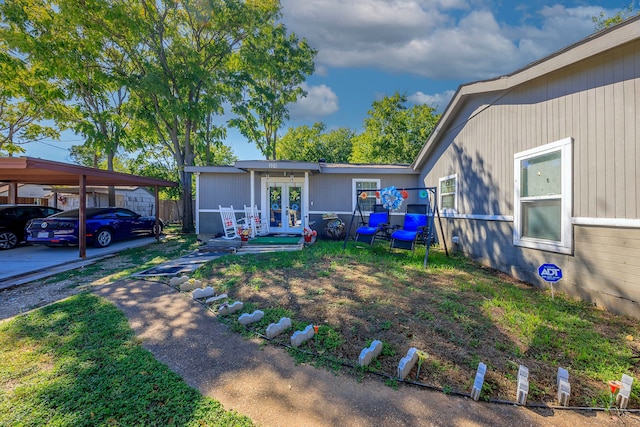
(542, 211)
(448, 194)
(369, 186)
(124, 213)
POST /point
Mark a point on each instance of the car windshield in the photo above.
(75, 213)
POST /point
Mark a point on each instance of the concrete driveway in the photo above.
(26, 260)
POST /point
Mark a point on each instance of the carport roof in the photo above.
(28, 170)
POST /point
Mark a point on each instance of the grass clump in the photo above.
(77, 363)
(458, 311)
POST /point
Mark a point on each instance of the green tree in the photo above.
(177, 60)
(86, 155)
(43, 30)
(177, 65)
(272, 65)
(602, 21)
(26, 102)
(181, 63)
(393, 133)
(311, 144)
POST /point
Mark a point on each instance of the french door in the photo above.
(284, 203)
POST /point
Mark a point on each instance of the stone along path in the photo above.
(264, 383)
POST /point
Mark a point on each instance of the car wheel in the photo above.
(156, 227)
(8, 240)
(102, 238)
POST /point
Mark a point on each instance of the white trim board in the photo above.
(602, 222)
(507, 218)
(607, 222)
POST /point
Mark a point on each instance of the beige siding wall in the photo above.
(333, 192)
(210, 223)
(604, 269)
(224, 189)
(595, 102)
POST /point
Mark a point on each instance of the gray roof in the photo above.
(242, 166)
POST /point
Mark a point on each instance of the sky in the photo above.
(424, 49)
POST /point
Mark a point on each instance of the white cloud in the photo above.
(437, 101)
(320, 101)
(451, 39)
(560, 27)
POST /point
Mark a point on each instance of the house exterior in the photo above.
(30, 194)
(137, 199)
(309, 192)
(542, 166)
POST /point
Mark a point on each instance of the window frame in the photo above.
(565, 244)
(448, 211)
(354, 191)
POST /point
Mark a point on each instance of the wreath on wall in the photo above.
(62, 200)
(391, 198)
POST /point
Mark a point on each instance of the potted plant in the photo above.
(245, 233)
(308, 234)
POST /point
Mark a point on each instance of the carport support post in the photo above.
(82, 217)
(13, 193)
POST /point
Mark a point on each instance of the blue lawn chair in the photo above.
(414, 228)
(378, 224)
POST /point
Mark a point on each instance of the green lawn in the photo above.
(77, 363)
(456, 311)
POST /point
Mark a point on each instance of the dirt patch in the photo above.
(23, 298)
(450, 314)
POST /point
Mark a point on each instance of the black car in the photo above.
(14, 218)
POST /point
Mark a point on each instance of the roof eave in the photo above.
(592, 45)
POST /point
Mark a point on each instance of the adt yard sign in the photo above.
(550, 272)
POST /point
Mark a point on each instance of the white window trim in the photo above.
(354, 191)
(448, 211)
(566, 161)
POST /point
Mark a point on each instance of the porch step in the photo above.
(221, 245)
(258, 249)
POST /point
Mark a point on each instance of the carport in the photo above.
(27, 170)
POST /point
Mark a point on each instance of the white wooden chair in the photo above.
(259, 227)
(229, 224)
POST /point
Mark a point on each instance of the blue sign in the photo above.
(550, 272)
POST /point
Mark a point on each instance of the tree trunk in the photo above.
(187, 202)
(112, 189)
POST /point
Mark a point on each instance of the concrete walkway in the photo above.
(26, 260)
(264, 383)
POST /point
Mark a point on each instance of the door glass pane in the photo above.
(541, 220)
(275, 206)
(541, 175)
(295, 206)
